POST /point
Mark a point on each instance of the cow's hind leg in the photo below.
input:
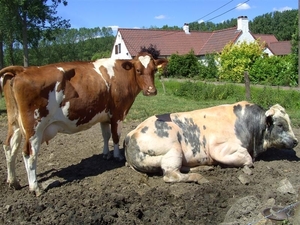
(11, 148)
(171, 164)
(30, 161)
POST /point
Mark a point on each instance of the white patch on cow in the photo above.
(1, 82)
(61, 69)
(108, 64)
(145, 60)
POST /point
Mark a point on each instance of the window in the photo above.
(117, 49)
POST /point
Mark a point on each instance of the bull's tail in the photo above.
(11, 71)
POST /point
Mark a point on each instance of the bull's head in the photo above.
(279, 131)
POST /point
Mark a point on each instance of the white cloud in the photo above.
(242, 6)
(200, 21)
(282, 9)
(160, 17)
(114, 28)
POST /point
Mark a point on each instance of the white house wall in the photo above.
(124, 54)
(246, 36)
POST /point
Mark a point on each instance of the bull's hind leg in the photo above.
(171, 164)
(11, 148)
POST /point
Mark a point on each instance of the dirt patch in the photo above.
(83, 188)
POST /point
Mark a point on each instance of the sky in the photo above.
(157, 13)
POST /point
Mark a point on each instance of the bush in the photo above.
(237, 58)
(208, 68)
(183, 65)
(274, 70)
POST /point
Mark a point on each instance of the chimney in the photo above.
(243, 24)
(186, 28)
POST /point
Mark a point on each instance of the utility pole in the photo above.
(298, 43)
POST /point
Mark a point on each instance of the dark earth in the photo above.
(83, 188)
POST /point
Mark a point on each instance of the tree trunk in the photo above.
(1, 51)
(25, 41)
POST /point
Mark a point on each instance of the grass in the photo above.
(165, 102)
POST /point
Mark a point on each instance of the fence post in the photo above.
(247, 86)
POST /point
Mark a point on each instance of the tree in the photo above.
(281, 24)
(30, 20)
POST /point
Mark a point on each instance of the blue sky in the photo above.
(157, 13)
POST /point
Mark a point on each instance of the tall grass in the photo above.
(177, 96)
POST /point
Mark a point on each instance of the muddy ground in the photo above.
(83, 188)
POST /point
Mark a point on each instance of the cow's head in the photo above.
(279, 133)
(145, 67)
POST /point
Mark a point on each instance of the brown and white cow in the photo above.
(68, 98)
(231, 135)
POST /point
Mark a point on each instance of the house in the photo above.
(128, 42)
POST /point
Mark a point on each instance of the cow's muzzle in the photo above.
(150, 91)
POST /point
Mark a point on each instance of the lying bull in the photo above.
(231, 135)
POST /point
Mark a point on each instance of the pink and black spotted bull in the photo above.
(231, 135)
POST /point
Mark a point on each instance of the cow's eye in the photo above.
(280, 125)
(137, 70)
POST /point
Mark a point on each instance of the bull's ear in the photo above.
(127, 65)
(269, 117)
(270, 112)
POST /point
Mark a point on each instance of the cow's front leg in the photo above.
(11, 148)
(116, 128)
(106, 134)
(233, 155)
(30, 161)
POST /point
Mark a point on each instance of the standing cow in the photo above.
(68, 98)
(232, 135)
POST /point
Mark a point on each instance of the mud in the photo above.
(83, 188)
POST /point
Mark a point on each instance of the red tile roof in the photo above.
(267, 38)
(168, 42)
(281, 47)
(178, 42)
(219, 39)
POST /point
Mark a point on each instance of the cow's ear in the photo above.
(269, 117)
(162, 62)
(127, 65)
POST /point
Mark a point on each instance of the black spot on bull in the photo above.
(164, 117)
(191, 133)
(162, 128)
(250, 127)
(144, 130)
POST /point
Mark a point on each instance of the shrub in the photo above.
(237, 58)
(183, 65)
(274, 70)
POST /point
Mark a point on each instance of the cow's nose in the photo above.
(295, 142)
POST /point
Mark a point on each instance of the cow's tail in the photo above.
(11, 71)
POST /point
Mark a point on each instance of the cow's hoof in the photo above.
(15, 185)
(39, 191)
(119, 158)
(202, 181)
(107, 156)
